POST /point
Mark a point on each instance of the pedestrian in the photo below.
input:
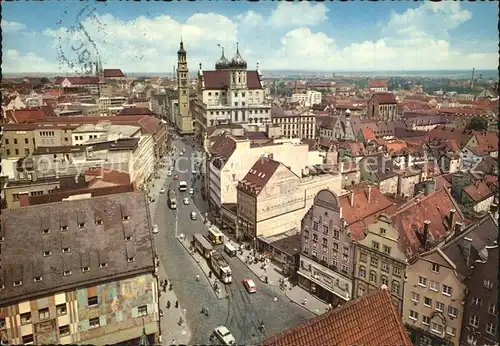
(176, 303)
(197, 278)
(275, 298)
(161, 313)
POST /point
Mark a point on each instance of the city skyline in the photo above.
(304, 36)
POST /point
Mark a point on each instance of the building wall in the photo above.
(422, 267)
(117, 311)
(484, 205)
(389, 186)
(406, 185)
(143, 161)
(52, 137)
(385, 265)
(11, 193)
(297, 126)
(18, 143)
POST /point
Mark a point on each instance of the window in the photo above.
(92, 301)
(17, 283)
(128, 238)
(427, 302)
(373, 276)
(335, 246)
(474, 321)
(126, 217)
(46, 253)
(387, 249)
(85, 269)
(94, 322)
(46, 231)
(344, 268)
(17, 151)
(325, 229)
(362, 257)
(6, 141)
(67, 272)
(98, 222)
(434, 286)
(439, 306)
(130, 259)
(413, 315)
(362, 272)
(345, 251)
(375, 245)
(142, 310)
(477, 302)
(64, 330)
(452, 311)
(492, 309)
(336, 233)
(396, 271)
(26, 141)
(488, 284)
(81, 224)
(15, 140)
(65, 249)
(315, 226)
(25, 318)
(422, 281)
(415, 297)
(447, 290)
(373, 262)
(426, 320)
(103, 265)
(383, 280)
(37, 279)
(43, 313)
(61, 309)
(451, 330)
(8, 152)
(28, 339)
(435, 267)
(490, 328)
(382, 231)
(395, 287)
(436, 328)
(64, 228)
(385, 267)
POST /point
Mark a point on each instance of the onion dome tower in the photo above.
(223, 63)
(238, 62)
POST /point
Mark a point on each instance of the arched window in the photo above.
(373, 276)
(395, 287)
(362, 272)
(383, 280)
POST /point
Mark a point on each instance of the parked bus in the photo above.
(215, 236)
(202, 245)
(182, 186)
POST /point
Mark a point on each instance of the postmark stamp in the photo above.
(76, 48)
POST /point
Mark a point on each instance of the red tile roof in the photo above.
(109, 176)
(478, 191)
(369, 320)
(221, 79)
(462, 111)
(78, 80)
(385, 98)
(487, 142)
(368, 134)
(356, 148)
(395, 147)
(27, 115)
(135, 111)
(113, 73)
(377, 84)
(409, 219)
(362, 212)
(258, 176)
(459, 135)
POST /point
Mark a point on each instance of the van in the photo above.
(230, 249)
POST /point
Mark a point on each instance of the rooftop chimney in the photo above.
(451, 218)
(458, 228)
(425, 234)
(351, 199)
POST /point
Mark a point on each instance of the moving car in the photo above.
(191, 191)
(155, 229)
(162, 190)
(249, 285)
(194, 171)
(224, 335)
(181, 153)
(186, 201)
(169, 173)
(176, 177)
(193, 215)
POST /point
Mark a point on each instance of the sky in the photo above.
(62, 37)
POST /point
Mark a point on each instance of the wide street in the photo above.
(240, 312)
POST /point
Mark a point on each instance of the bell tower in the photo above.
(183, 119)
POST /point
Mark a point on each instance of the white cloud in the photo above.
(249, 19)
(29, 63)
(9, 27)
(298, 14)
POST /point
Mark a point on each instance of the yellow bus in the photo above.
(215, 236)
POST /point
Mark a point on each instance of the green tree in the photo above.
(477, 124)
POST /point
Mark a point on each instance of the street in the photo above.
(241, 312)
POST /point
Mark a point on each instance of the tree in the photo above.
(44, 80)
(477, 124)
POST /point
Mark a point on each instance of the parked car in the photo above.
(224, 335)
(162, 190)
(194, 171)
(191, 191)
(186, 201)
(169, 173)
(155, 229)
(193, 215)
(249, 285)
(176, 177)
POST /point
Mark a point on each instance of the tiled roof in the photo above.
(409, 219)
(28, 252)
(369, 320)
(459, 135)
(258, 176)
(222, 148)
(382, 166)
(78, 80)
(135, 111)
(487, 142)
(111, 73)
(356, 148)
(358, 215)
(27, 115)
(441, 183)
(368, 134)
(216, 80)
(478, 191)
(385, 98)
(110, 176)
(377, 84)
(396, 147)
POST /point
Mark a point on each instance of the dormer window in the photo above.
(46, 231)
(65, 249)
(98, 222)
(130, 259)
(64, 228)
(128, 238)
(81, 224)
(37, 278)
(67, 272)
(103, 265)
(18, 283)
(85, 269)
(46, 253)
(126, 217)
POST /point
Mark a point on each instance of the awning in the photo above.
(319, 283)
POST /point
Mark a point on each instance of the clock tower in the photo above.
(183, 122)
